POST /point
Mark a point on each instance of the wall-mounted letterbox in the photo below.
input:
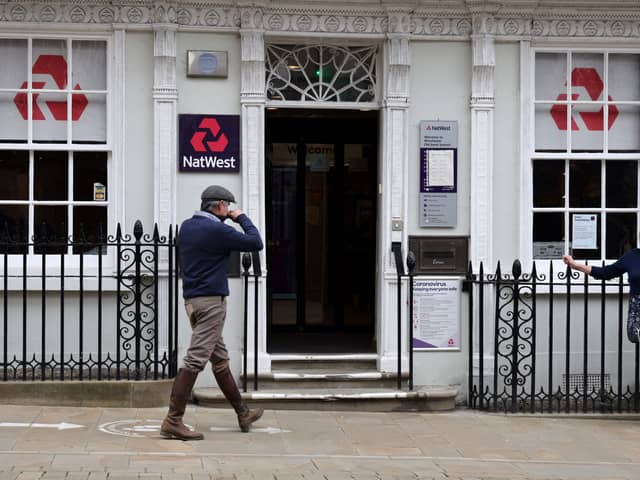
(441, 255)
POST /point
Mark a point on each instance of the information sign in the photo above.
(585, 230)
(438, 173)
(436, 313)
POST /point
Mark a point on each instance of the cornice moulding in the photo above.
(426, 19)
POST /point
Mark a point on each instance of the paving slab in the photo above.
(122, 443)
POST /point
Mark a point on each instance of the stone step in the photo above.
(292, 371)
(348, 399)
(324, 363)
(288, 380)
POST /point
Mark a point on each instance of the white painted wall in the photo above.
(210, 96)
(506, 170)
(440, 90)
(138, 144)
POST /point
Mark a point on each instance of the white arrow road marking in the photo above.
(59, 426)
(269, 430)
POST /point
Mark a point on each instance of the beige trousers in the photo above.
(207, 316)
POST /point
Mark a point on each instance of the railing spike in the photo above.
(137, 230)
(246, 262)
(118, 232)
(156, 234)
(411, 261)
(516, 269)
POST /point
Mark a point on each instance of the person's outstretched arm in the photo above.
(568, 259)
(603, 273)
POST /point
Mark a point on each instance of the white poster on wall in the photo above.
(585, 232)
(436, 319)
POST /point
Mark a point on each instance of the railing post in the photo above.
(62, 322)
(246, 264)
(585, 343)
(602, 394)
(24, 315)
(481, 335)
(517, 271)
(137, 233)
(82, 242)
(118, 298)
(5, 241)
(43, 298)
(411, 265)
(620, 329)
(551, 283)
(175, 302)
(567, 394)
(101, 241)
(469, 281)
(534, 277)
(257, 273)
(170, 302)
(496, 331)
(396, 248)
(156, 255)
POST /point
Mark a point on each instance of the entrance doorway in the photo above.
(321, 176)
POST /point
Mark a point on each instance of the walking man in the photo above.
(205, 243)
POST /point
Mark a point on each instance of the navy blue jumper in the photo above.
(205, 244)
(629, 263)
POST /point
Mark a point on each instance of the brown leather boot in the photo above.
(228, 386)
(172, 426)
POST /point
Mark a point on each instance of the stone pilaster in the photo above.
(165, 137)
(394, 172)
(482, 140)
(165, 100)
(482, 151)
(252, 100)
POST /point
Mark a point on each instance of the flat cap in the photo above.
(217, 192)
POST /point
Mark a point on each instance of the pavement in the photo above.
(110, 443)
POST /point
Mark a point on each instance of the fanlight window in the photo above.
(321, 73)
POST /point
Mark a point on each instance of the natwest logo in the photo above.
(209, 143)
(50, 72)
(586, 84)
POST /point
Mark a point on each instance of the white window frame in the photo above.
(296, 43)
(528, 153)
(113, 147)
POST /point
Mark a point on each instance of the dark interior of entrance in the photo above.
(321, 230)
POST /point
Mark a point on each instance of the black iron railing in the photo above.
(247, 260)
(396, 249)
(552, 342)
(98, 307)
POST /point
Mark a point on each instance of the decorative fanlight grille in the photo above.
(321, 73)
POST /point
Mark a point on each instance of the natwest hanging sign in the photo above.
(209, 143)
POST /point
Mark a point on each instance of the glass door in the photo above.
(321, 239)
